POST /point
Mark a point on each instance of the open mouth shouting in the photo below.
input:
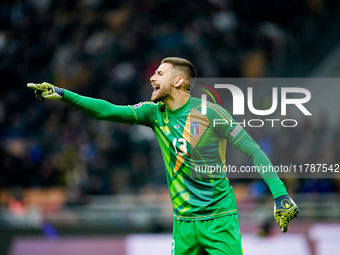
(156, 88)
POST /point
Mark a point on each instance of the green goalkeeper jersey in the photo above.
(190, 142)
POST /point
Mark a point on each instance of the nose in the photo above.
(152, 78)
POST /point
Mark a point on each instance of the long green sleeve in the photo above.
(253, 151)
(100, 109)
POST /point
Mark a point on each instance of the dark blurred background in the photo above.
(56, 163)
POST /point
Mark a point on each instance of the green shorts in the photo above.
(216, 236)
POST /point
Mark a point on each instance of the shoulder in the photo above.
(145, 104)
(212, 109)
(148, 106)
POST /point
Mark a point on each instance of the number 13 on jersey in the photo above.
(182, 146)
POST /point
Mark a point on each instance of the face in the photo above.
(162, 82)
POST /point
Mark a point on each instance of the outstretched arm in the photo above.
(96, 108)
(100, 109)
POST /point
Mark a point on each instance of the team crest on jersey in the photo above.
(137, 105)
(194, 128)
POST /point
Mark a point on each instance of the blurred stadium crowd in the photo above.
(109, 49)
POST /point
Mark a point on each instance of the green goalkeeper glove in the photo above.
(46, 90)
(284, 211)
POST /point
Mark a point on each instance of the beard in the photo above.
(161, 94)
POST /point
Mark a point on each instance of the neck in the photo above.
(176, 101)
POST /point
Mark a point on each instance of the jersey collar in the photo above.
(179, 110)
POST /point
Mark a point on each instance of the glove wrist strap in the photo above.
(59, 91)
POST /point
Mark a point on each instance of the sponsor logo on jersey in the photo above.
(194, 128)
(165, 129)
(177, 126)
(137, 105)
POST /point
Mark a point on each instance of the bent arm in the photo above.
(252, 150)
(100, 109)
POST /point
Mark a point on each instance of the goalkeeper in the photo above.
(205, 213)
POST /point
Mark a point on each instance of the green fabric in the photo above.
(188, 141)
(253, 151)
(100, 109)
(216, 236)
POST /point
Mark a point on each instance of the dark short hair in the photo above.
(183, 65)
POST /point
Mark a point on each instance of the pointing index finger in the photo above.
(35, 86)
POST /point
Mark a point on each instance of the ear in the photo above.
(178, 82)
